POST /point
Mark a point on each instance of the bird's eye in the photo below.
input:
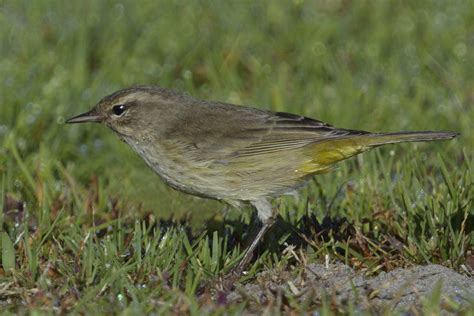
(118, 109)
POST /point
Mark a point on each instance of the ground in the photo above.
(87, 227)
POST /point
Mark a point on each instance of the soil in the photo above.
(400, 289)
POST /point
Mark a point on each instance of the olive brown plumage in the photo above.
(232, 153)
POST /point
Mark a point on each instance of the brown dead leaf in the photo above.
(13, 208)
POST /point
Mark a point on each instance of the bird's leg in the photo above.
(265, 214)
(249, 251)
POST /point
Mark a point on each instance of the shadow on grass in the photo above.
(308, 230)
(375, 243)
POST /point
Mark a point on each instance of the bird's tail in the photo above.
(327, 152)
(402, 137)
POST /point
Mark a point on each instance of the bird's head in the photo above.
(129, 111)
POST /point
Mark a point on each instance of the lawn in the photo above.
(87, 227)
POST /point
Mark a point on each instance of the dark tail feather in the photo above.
(402, 137)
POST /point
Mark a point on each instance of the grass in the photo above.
(88, 228)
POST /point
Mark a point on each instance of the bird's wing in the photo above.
(285, 131)
(230, 132)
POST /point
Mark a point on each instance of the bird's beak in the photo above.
(90, 116)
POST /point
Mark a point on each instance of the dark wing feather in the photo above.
(285, 131)
(220, 131)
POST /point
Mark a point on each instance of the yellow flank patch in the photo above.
(324, 154)
(311, 168)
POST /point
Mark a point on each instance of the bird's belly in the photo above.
(175, 170)
(231, 182)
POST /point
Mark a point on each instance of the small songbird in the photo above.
(235, 154)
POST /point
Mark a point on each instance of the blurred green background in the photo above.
(372, 65)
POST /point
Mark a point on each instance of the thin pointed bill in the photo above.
(85, 117)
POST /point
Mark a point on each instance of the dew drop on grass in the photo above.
(319, 49)
(440, 19)
(98, 144)
(119, 10)
(18, 184)
(3, 129)
(57, 186)
(83, 149)
(34, 111)
(460, 50)
(188, 75)
(421, 194)
(9, 81)
(21, 143)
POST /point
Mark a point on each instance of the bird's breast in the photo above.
(175, 164)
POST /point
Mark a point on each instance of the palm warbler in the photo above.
(232, 153)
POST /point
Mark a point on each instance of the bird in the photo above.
(236, 154)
